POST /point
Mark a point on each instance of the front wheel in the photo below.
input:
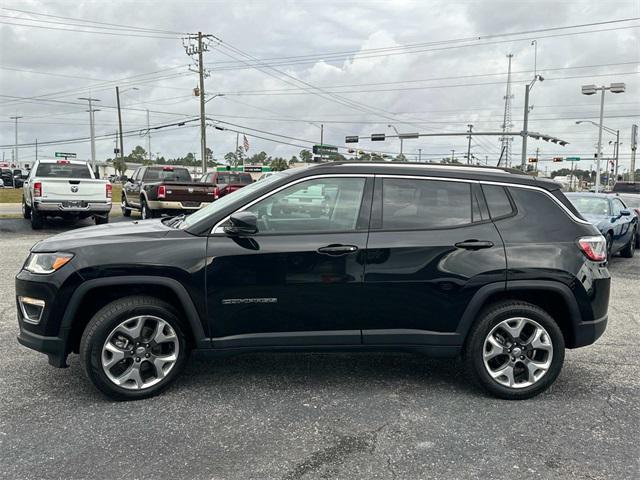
(515, 350)
(133, 348)
(126, 211)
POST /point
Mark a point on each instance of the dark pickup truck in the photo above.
(164, 189)
(226, 182)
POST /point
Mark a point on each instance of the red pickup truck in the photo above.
(155, 190)
(226, 182)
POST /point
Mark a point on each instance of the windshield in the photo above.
(167, 174)
(223, 202)
(234, 178)
(63, 170)
(632, 202)
(590, 205)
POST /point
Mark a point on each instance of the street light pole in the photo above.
(469, 145)
(401, 139)
(92, 131)
(419, 155)
(119, 122)
(525, 124)
(15, 155)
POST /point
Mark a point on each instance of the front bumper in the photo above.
(53, 347)
(166, 205)
(60, 207)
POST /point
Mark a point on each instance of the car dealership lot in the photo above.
(320, 416)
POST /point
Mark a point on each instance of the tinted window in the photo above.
(63, 170)
(234, 178)
(168, 174)
(497, 201)
(417, 204)
(320, 205)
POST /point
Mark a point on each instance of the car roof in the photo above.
(467, 172)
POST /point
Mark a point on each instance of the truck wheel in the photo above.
(630, 248)
(515, 350)
(147, 213)
(133, 348)
(37, 220)
(26, 211)
(101, 220)
(126, 211)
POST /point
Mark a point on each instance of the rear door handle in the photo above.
(337, 250)
(474, 244)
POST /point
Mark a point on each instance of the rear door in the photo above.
(299, 279)
(431, 247)
(132, 187)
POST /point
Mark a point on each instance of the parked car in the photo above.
(632, 201)
(19, 177)
(626, 187)
(67, 189)
(612, 218)
(226, 182)
(164, 189)
(6, 177)
(493, 265)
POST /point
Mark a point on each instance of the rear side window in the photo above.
(62, 170)
(409, 204)
(497, 201)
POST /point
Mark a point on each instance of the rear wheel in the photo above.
(609, 242)
(37, 220)
(145, 210)
(133, 348)
(515, 350)
(101, 220)
(26, 211)
(630, 248)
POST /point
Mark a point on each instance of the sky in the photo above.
(281, 69)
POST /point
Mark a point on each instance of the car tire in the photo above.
(609, 243)
(37, 220)
(101, 220)
(26, 211)
(134, 322)
(126, 211)
(145, 211)
(491, 362)
(630, 248)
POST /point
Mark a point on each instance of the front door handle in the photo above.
(474, 244)
(337, 250)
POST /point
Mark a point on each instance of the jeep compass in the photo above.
(489, 264)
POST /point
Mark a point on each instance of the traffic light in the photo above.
(557, 159)
(533, 160)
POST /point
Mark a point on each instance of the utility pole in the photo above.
(119, 122)
(419, 155)
(92, 129)
(506, 122)
(452, 154)
(148, 137)
(36, 149)
(469, 145)
(15, 154)
(617, 154)
(322, 134)
(634, 146)
(203, 125)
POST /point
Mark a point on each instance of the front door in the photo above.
(431, 246)
(297, 281)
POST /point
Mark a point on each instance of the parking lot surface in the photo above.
(304, 416)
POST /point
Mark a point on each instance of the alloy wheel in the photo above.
(140, 352)
(517, 352)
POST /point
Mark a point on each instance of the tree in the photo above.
(231, 158)
(306, 156)
(137, 155)
(293, 160)
(278, 164)
(400, 158)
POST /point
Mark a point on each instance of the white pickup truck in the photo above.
(64, 188)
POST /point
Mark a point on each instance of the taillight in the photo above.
(109, 190)
(162, 191)
(216, 193)
(595, 247)
(37, 189)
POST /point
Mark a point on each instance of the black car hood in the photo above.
(125, 232)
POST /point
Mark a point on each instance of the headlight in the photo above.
(44, 263)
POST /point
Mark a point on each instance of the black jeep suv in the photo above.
(489, 264)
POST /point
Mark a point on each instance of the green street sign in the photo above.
(328, 150)
(572, 159)
(65, 155)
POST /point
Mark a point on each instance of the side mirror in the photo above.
(242, 223)
(625, 212)
(126, 179)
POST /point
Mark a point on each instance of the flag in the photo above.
(245, 143)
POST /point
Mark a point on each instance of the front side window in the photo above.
(617, 206)
(319, 205)
(422, 204)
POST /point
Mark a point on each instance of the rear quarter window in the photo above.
(497, 201)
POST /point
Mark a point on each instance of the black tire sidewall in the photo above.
(475, 345)
(37, 220)
(104, 321)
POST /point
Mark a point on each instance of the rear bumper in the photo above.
(167, 205)
(58, 207)
(586, 333)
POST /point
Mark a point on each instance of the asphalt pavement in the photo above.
(311, 416)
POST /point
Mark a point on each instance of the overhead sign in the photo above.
(351, 139)
(328, 150)
(252, 169)
(378, 137)
(572, 159)
(65, 155)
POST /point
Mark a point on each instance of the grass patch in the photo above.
(14, 195)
